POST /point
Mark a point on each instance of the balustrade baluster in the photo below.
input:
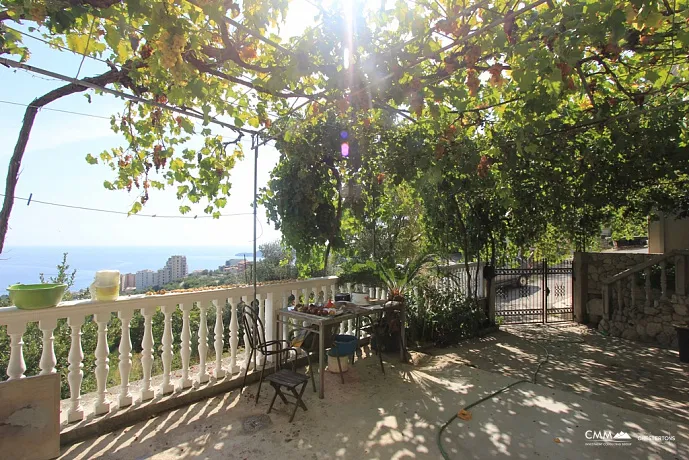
(234, 336)
(102, 367)
(306, 294)
(147, 352)
(203, 342)
(258, 356)
(663, 279)
(16, 366)
(125, 358)
(620, 300)
(48, 359)
(185, 347)
(218, 330)
(75, 375)
(285, 304)
(247, 365)
(167, 387)
(632, 288)
(647, 286)
(269, 321)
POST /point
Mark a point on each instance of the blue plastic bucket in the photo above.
(343, 345)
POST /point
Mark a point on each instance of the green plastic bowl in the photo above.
(36, 296)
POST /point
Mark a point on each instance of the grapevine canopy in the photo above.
(531, 69)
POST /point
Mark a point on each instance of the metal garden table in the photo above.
(354, 312)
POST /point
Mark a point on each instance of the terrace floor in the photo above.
(597, 383)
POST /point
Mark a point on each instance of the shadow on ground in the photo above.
(626, 374)
(398, 415)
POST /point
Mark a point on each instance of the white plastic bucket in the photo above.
(332, 364)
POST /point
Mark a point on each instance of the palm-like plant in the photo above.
(397, 278)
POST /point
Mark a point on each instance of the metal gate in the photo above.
(537, 293)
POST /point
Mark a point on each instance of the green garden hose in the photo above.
(492, 395)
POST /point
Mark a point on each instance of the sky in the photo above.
(54, 169)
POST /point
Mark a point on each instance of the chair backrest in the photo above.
(255, 332)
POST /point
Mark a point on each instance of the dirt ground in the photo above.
(589, 383)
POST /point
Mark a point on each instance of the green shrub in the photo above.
(442, 314)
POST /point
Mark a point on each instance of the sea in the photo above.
(22, 264)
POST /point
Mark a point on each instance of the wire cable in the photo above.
(55, 45)
(57, 110)
(110, 211)
(501, 390)
(86, 48)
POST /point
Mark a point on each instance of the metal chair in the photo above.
(378, 329)
(255, 334)
(290, 380)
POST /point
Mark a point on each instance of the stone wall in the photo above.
(647, 323)
(642, 320)
(603, 265)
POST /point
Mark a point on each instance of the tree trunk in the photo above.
(108, 77)
(325, 259)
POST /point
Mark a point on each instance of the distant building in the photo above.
(127, 280)
(175, 268)
(145, 279)
(243, 265)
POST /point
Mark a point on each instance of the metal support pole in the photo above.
(374, 222)
(255, 142)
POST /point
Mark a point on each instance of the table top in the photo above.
(352, 310)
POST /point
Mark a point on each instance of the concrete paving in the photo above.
(612, 370)
(398, 416)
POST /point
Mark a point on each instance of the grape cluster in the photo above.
(170, 46)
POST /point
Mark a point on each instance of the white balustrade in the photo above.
(269, 320)
(272, 297)
(166, 355)
(262, 317)
(247, 350)
(16, 367)
(203, 342)
(125, 358)
(147, 352)
(75, 375)
(218, 330)
(185, 347)
(234, 336)
(285, 304)
(48, 359)
(102, 368)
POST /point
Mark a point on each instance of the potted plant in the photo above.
(398, 278)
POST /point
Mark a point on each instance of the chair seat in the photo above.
(287, 378)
